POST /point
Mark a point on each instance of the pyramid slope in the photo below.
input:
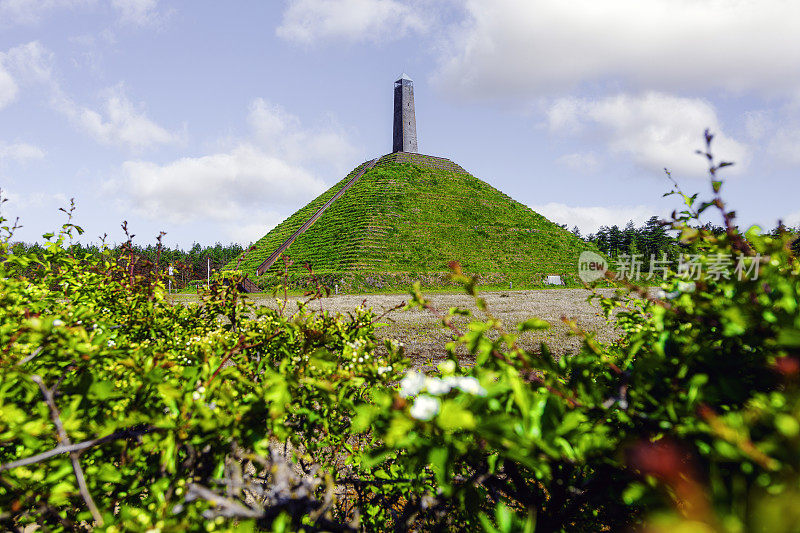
(415, 218)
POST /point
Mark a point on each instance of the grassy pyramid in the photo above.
(412, 214)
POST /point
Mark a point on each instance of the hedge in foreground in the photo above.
(120, 411)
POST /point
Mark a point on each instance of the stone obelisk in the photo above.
(405, 121)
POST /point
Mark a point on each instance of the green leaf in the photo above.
(437, 457)
(453, 417)
(633, 493)
(787, 425)
(734, 323)
(110, 473)
(101, 390)
(503, 515)
(789, 337)
(533, 324)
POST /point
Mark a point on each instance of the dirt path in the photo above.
(425, 337)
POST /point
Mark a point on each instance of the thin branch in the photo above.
(444, 318)
(30, 357)
(729, 434)
(372, 482)
(577, 330)
(238, 347)
(571, 401)
(80, 446)
(63, 438)
(389, 311)
(230, 507)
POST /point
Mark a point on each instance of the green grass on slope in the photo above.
(278, 235)
(409, 218)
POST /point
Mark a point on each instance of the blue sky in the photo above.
(213, 121)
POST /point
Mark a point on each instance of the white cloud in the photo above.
(244, 188)
(245, 233)
(757, 124)
(792, 220)
(31, 11)
(589, 219)
(19, 201)
(655, 130)
(780, 137)
(8, 87)
(785, 145)
(24, 65)
(542, 47)
(220, 187)
(776, 132)
(580, 162)
(279, 132)
(31, 61)
(26, 62)
(137, 12)
(20, 151)
(120, 122)
(308, 21)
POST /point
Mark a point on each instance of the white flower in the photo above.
(111, 344)
(447, 367)
(58, 322)
(384, 369)
(411, 384)
(470, 385)
(356, 344)
(196, 395)
(467, 384)
(684, 286)
(425, 407)
(437, 386)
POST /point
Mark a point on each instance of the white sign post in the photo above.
(169, 271)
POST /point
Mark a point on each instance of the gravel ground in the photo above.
(424, 335)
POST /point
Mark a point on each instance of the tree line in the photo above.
(193, 264)
(653, 238)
